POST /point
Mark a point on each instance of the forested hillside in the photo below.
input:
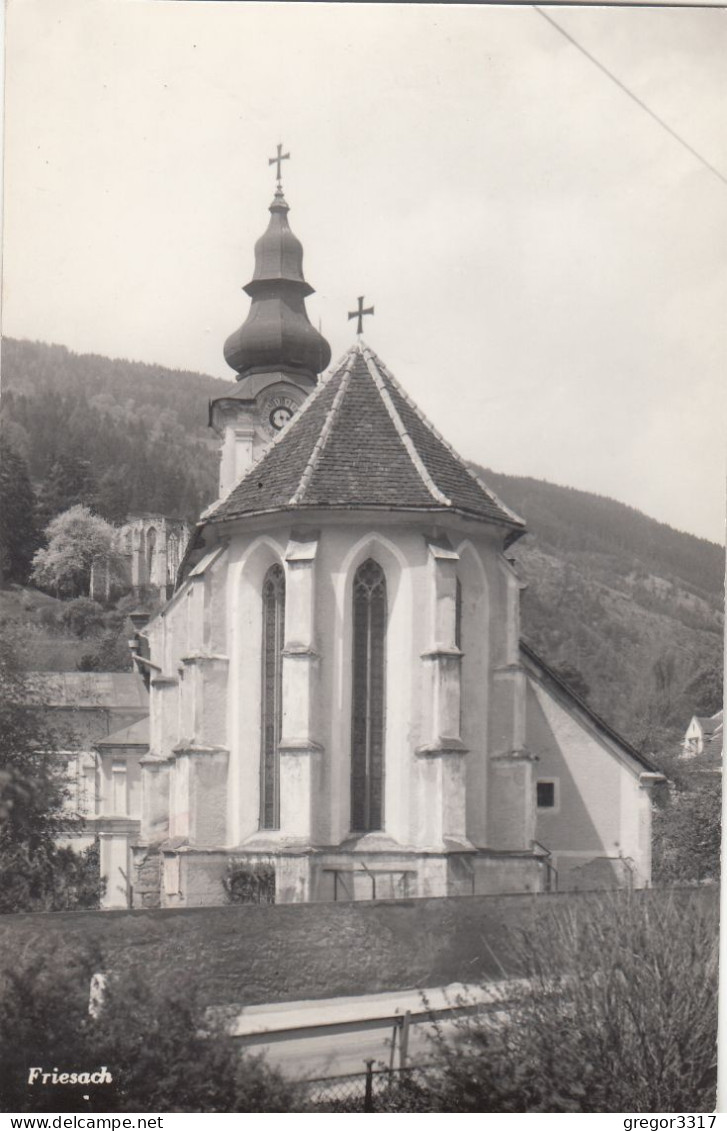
(633, 608)
(118, 435)
(628, 609)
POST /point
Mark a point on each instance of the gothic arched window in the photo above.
(458, 616)
(151, 544)
(172, 558)
(273, 636)
(458, 643)
(368, 705)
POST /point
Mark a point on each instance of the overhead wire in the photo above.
(634, 97)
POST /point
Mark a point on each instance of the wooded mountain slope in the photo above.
(141, 428)
(631, 606)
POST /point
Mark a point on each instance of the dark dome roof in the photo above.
(276, 333)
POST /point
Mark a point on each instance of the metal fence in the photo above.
(382, 1089)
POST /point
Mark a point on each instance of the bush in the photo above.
(161, 1050)
(249, 883)
(688, 835)
(43, 1014)
(49, 617)
(36, 874)
(112, 655)
(618, 1013)
(82, 616)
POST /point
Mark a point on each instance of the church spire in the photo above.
(276, 335)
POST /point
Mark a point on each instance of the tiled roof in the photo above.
(89, 689)
(711, 725)
(359, 442)
(135, 735)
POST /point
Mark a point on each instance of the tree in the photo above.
(688, 834)
(76, 539)
(18, 531)
(159, 1045)
(69, 483)
(704, 694)
(35, 873)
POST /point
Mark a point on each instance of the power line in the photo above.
(631, 95)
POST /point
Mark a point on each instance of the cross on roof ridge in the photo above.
(360, 314)
(277, 160)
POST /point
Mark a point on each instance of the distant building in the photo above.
(84, 710)
(704, 736)
(118, 807)
(151, 548)
(154, 547)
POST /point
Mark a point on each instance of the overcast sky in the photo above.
(547, 262)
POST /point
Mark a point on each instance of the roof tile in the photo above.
(360, 442)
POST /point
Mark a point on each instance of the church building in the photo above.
(340, 704)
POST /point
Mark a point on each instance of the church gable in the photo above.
(592, 807)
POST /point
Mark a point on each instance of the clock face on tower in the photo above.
(276, 411)
(280, 416)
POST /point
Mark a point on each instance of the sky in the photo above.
(546, 261)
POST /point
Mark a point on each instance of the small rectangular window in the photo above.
(546, 794)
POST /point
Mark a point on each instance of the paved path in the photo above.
(335, 1036)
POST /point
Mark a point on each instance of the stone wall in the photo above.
(256, 954)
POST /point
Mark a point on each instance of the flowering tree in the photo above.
(76, 540)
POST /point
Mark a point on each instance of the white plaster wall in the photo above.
(402, 555)
(222, 614)
(477, 646)
(179, 815)
(249, 560)
(411, 782)
(602, 809)
(115, 867)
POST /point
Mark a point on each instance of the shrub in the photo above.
(688, 834)
(618, 1013)
(82, 616)
(44, 1023)
(162, 1051)
(111, 655)
(249, 883)
(50, 618)
(36, 873)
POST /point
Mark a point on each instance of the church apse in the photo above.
(339, 698)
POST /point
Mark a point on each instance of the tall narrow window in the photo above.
(272, 695)
(368, 707)
(458, 616)
(151, 545)
(458, 644)
(172, 558)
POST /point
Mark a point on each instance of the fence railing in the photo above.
(376, 1089)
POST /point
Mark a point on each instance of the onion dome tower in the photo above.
(276, 335)
(276, 353)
